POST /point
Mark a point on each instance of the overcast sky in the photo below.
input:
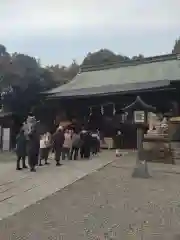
(58, 31)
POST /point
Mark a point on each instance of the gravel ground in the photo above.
(105, 205)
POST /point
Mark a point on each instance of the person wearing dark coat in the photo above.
(58, 141)
(86, 144)
(94, 143)
(76, 144)
(21, 144)
(82, 137)
(33, 150)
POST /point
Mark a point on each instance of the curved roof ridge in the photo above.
(127, 63)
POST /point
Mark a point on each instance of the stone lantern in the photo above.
(140, 114)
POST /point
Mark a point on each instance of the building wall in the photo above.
(80, 109)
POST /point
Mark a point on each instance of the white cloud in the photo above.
(31, 17)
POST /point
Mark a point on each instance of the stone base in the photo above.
(141, 171)
(156, 151)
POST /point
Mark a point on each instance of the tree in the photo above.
(22, 79)
(139, 57)
(21, 82)
(2, 50)
(103, 56)
(46, 79)
(72, 70)
(63, 74)
(176, 48)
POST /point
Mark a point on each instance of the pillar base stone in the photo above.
(141, 170)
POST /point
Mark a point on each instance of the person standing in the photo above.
(58, 141)
(87, 145)
(45, 143)
(76, 144)
(83, 136)
(67, 144)
(94, 143)
(48, 144)
(33, 149)
(21, 153)
(99, 140)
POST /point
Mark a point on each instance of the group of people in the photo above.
(65, 143)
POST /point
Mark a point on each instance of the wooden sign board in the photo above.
(139, 116)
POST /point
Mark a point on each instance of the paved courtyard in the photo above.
(107, 204)
(19, 189)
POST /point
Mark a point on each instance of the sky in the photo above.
(58, 31)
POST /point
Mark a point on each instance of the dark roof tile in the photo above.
(166, 67)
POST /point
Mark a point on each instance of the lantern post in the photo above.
(140, 117)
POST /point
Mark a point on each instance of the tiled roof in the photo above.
(117, 75)
(112, 89)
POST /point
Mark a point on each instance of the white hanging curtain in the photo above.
(114, 109)
(102, 110)
(124, 117)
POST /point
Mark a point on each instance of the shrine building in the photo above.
(98, 93)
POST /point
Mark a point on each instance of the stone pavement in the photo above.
(19, 189)
(105, 205)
